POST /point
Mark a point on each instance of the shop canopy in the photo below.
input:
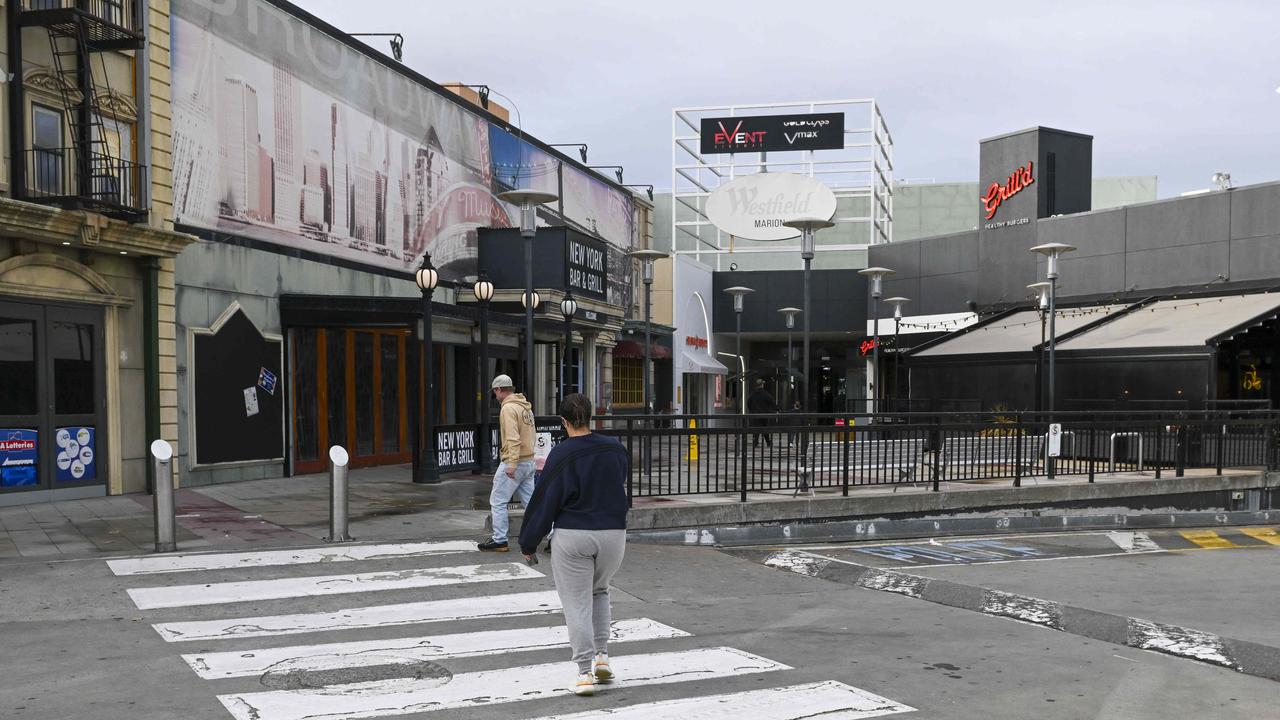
(701, 362)
(1179, 323)
(1015, 332)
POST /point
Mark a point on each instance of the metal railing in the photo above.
(707, 454)
(737, 454)
(119, 13)
(54, 174)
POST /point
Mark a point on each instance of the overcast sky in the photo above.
(1175, 89)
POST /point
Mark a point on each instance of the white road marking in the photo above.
(828, 700)
(901, 583)
(798, 562)
(1133, 542)
(154, 564)
(403, 696)
(1180, 641)
(252, 590)
(432, 611)
(1020, 607)
(405, 651)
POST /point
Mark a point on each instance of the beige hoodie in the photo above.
(515, 423)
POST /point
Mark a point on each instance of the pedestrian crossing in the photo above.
(437, 660)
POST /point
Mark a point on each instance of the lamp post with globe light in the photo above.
(427, 278)
(483, 290)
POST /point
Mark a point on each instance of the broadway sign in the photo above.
(773, 133)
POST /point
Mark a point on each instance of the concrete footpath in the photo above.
(386, 505)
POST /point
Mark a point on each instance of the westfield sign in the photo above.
(997, 193)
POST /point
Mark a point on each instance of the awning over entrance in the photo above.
(701, 362)
(1179, 323)
(633, 349)
(1017, 332)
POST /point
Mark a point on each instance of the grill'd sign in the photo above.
(755, 207)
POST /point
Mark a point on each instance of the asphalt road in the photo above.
(77, 643)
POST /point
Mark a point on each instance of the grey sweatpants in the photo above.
(583, 563)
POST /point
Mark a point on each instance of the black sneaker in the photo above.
(492, 546)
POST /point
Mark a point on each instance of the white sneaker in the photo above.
(603, 673)
(585, 684)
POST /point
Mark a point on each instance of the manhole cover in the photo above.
(295, 675)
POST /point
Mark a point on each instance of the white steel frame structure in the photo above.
(863, 168)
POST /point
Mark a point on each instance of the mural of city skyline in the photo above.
(260, 153)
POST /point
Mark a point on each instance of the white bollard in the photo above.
(162, 505)
(338, 460)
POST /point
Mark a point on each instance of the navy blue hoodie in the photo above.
(583, 487)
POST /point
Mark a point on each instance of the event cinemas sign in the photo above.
(772, 133)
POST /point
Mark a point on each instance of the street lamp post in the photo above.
(739, 292)
(877, 276)
(807, 227)
(483, 290)
(528, 200)
(1052, 251)
(790, 314)
(568, 308)
(646, 257)
(896, 303)
(427, 278)
(1042, 306)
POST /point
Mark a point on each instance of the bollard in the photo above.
(162, 502)
(338, 459)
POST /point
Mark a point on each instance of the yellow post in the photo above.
(693, 443)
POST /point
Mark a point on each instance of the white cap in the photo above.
(502, 381)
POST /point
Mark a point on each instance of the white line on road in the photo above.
(798, 562)
(532, 603)
(1133, 542)
(404, 696)
(1180, 641)
(406, 651)
(829, 700)
(251, 590)
(222, 561)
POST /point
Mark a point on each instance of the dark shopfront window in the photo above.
(17, 367)
(837, 372)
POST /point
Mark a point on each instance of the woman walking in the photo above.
(583, 493)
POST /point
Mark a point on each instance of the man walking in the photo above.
(761, 403)
(515, 474)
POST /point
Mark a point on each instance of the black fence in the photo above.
(692, 454)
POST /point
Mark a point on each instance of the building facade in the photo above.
(320, 174)
(1165, 304)
(88, 343)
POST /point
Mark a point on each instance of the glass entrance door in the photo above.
(52, 398)
(349, 389)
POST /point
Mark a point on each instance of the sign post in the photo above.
(1055, 440)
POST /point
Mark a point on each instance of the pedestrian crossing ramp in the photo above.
(472, 638)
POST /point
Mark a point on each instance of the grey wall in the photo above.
(1181, 244)
(838, 300)
(212, 275)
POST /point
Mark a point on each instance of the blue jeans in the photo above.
(505, 488)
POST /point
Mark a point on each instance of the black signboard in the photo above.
(586, 262)
(773, 133)
(562, 258)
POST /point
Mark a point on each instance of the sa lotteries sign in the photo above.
(997, 193)
(772, 133)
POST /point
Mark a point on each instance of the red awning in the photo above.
(633, 349)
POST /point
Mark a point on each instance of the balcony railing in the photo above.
(104, 24)
(112, 186)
